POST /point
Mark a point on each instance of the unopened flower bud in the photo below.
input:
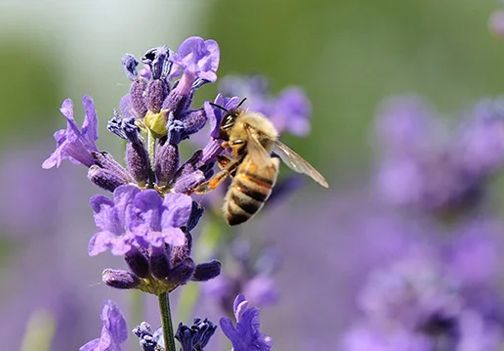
(106, 161)
(138, 162)
(167, 163)
(160, 261)
(181, 273)
(194, 121)
(119, 279)
(137, 97)
(207, 271)
(138, 263)
(104, 178)
(196, 213)
(156, 93)
(188, 182)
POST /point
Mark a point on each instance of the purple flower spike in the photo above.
(72, 143)
(114, 331)
(198, 56)
(245, 336)
(115, 219)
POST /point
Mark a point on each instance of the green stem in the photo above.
(166, 321)
(151, 150)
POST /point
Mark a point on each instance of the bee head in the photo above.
(229, 119)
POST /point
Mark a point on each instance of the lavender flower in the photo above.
(423, 169)
(72, 143)
(251, 276)
(113, 333)
(416, 304)
(150, 231)
(245, 336)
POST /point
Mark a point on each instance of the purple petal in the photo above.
(177, 210)
(201, 57)
(103, 213)
(90, 346)
(100, 242)
(114, 322)
(90, 124)
(123, 198)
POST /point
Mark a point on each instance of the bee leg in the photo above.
(223, 161)
(216, 180)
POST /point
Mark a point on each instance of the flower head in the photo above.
(114, 331)
(245, 335)
(199, 57)
(72, 143)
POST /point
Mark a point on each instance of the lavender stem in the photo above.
(166, 321)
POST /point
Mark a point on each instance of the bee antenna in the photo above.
(241, 102)
(219, 107)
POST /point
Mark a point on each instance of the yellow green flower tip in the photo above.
(156, 123)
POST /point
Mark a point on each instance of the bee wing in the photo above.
(297, 163)
(255, 150)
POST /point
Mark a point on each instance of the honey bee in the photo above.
(252, 139)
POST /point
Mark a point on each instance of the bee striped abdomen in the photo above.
(248, 192)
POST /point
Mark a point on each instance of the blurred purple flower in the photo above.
(114, 331)
(289, 112)
(415, 303)
(421, 169)
(72, 143)
(496, 23)
(245, 336)
(248, 275)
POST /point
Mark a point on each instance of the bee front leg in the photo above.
(223, 162)
(216, 180)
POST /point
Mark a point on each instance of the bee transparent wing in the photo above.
(255, 150)
(297, 163)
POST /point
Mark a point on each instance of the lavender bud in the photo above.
(104, 178)
(137, 97)
(137, 262)
(188, 182)
(181, 273)
(130, 64)
(106, 161)
(206, 271)
(120, 279)
(196, 213)
(194, 121)
(167, 162)
(156, 93)
(138, 162)
(160, 261)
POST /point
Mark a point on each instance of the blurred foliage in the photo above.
(348, 55)
(30, 92)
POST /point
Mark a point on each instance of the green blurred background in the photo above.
(348, 55)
